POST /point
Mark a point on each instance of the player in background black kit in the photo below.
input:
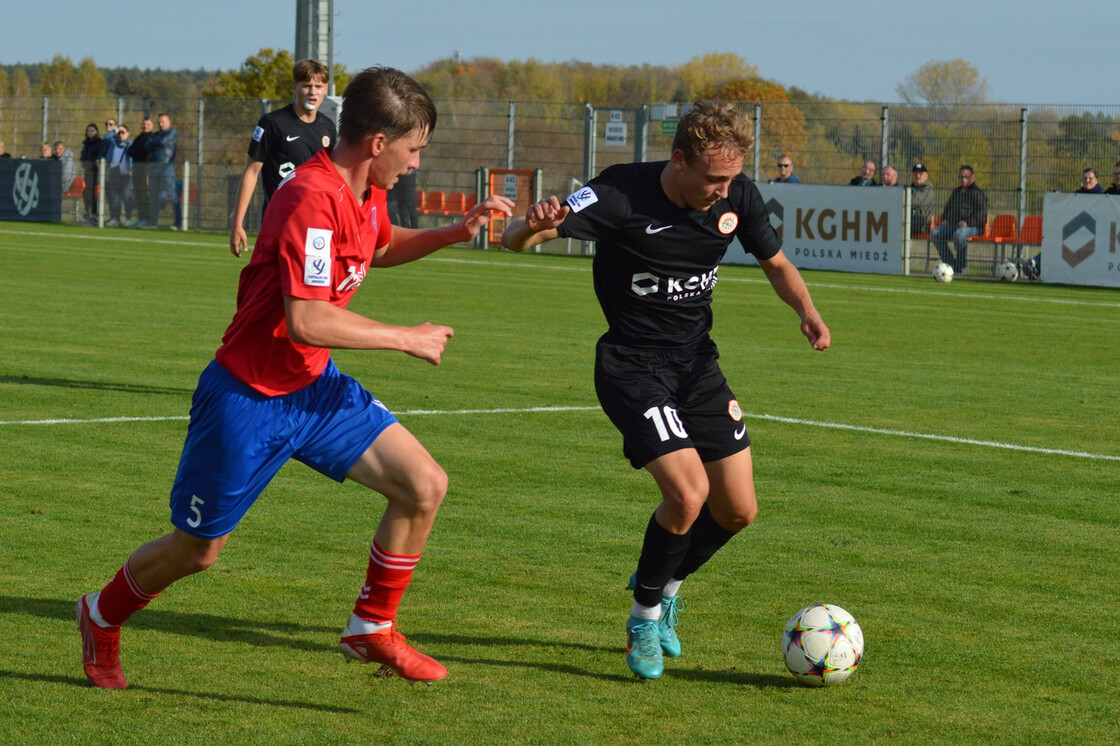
(282, 140)
(661, 231)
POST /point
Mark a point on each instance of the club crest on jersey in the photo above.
(317, 258)
(734, 410)
(728, 222)
(583, 198)
(258, 133)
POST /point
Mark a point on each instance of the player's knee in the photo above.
(740, 518)
(429, 489)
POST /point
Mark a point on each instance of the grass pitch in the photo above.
(947, 472)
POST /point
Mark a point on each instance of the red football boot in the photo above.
(388, 647)
(101, 650)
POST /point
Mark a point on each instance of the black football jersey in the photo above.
(655, 263)
(282, 141)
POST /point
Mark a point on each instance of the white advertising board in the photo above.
(845, 228)
(1081, 239)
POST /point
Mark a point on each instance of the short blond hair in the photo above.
(713, 124)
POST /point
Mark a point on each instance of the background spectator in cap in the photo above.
(890, 176)
(1115, 188)
(866, 176)
(1089, 183)
(785, 171)
(922, 200)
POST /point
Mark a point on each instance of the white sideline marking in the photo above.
(771, 417)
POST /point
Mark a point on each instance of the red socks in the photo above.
(387, 579)
(121, 598)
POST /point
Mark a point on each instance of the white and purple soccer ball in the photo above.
(822, 644)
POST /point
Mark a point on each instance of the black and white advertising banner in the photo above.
(1081, 239)
(30, 189)
(845, 228)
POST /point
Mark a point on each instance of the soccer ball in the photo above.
(822, 645)
(1009, 271)
(943, 273)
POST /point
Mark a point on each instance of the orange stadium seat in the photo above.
(434, 203)
(1031, 232)
(456, 204)
(421, 200)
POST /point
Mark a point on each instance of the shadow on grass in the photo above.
(128, 388)
(80, 681)
(289, 635)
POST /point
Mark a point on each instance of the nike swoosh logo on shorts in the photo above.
(289, 139)
(740, 432)
(650, 230)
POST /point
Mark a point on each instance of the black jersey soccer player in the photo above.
(282, 140)
(661, 230)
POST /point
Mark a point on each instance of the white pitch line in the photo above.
(528, 410)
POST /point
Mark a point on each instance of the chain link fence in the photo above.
(1019, 152)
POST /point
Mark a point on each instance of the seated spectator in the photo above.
(66, 156)
(964, 216)
(1115, 187)
(785, 171)
(1089, 183)
(890, 176)
(866, 176)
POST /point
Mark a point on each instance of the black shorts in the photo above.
(665, 400)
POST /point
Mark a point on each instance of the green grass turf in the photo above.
(985, 577)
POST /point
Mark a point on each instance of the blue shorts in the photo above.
(239, 438)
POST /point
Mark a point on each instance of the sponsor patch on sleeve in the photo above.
(258, 133)
(583, 198)
(317, 258)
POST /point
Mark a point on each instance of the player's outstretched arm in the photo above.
(790, 287)
(320, 324)
(237, 238)
(539, 225)
(410, 244)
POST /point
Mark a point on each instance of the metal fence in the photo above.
(1019, 152)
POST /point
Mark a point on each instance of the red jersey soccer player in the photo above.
(273, 393)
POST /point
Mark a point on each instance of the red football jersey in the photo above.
(316, 243)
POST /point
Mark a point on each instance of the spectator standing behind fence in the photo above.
(866, 176)
(46, 152)
(65, 155)
(890, 176)
(1089, 183)
(161, 147)
(91, 154)
(1115, 187)
(964, 216)
(117, 172)
(402, 202)
(922, 199)
(139, 155)
(282, 140)
(785, 171)
(3, 152)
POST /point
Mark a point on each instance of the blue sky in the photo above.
(1029, 50)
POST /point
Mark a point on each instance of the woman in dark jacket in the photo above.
(91, 152)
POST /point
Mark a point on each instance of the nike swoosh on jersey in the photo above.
(290, 138)
(650, 230)
(740, 432)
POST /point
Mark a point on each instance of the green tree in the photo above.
(5, 83)
(21, 84)
(266, 74)
(944, 83)
(712, 70)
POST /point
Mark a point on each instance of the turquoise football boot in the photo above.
(643, 648)
(671, 606)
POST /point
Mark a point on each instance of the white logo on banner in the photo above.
(25, 189)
